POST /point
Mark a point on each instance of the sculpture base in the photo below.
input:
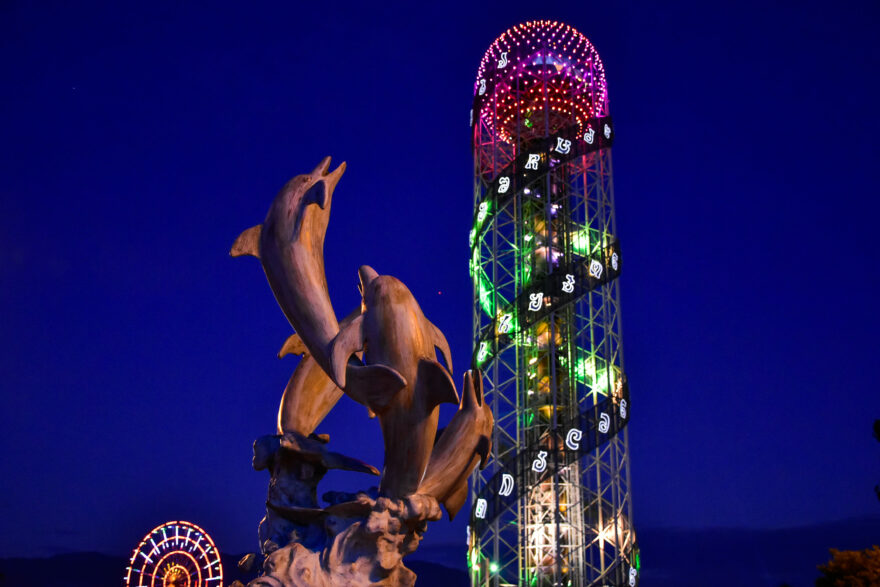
(366, 541)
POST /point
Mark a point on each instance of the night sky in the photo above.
(138, 360)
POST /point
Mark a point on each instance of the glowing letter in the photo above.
(504, 323)
(480, 511)
(532, 163)
(502, 63)
(506, 485)
(568, 284)
(633, 573)
(604, 423)
(615, 261)
(535, 301)
(595, 268)
(483, 352)
(472, 117)
(563, 146)
(607, 132)
(482, 87)
(623, 409)
(588, 136)
(482, 210)
(573, 439)
(539, 465)
(503, 185)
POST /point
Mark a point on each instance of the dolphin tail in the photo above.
(472, 400)
(484, 447)
(441, 343)
(248, 243)
(456, 499)
(293, 346)
(438, 382)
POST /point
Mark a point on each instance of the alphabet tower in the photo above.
(552, 507)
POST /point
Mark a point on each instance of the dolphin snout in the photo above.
(326, 181)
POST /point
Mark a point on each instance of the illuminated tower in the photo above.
(553, 505)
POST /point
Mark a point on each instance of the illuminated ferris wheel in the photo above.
(175, 554)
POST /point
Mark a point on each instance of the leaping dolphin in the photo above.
(465, 441)
(290, 247)
(397, 340)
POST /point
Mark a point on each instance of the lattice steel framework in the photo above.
(553, 506)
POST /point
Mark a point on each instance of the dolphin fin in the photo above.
(441, 343)
(456, 499)
(472, 391)
(348, 341)
(248, 243)
(438, 382)
(374, 385)
(293, 346)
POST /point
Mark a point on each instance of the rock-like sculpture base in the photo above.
(366, 541)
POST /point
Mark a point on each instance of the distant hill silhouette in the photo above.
(670, 558)
(88, 569)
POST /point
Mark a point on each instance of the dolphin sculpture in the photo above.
(290, 247)
(399, 342)
(466, 440)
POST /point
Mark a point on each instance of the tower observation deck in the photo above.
(553, 505)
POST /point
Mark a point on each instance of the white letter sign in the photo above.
(588, 136)
(480, 512)
(506, 485)
(604, 423)
(563, 146)
(539, 465)
(573, 439)
(595, 267)
(504, 323)
(535, 301)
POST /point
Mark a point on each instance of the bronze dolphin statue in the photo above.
(290, 247)
(397, 340)
(466, 440)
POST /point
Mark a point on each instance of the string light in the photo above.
(550, 64)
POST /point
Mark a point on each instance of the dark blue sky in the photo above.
(138, 361)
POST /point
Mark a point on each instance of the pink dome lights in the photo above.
(539, 78)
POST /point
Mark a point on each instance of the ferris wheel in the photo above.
(175, 554)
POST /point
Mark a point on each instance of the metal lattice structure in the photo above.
(553, 505)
